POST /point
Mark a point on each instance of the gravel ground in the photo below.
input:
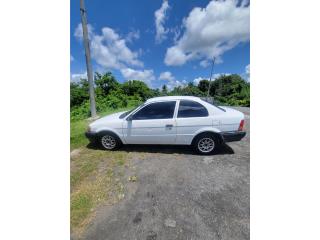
(180, 195)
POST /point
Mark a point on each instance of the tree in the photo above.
(105, 83)
(79, 92)
(231, 89)
(135, 87)
(164, 90)
(203, 85)
(189, 90)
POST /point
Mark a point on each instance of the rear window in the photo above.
(189, 109)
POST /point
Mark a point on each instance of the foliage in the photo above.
(189, 90)
(79, 92)
(228, 89)
(138, 89)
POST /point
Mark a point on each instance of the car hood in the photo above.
(109, 118)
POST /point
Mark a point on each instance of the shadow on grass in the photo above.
(166, 149)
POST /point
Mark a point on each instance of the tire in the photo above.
(109, 141)
(206, 143)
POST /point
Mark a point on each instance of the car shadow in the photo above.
(166, 149)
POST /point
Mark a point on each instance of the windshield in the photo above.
(123, 115)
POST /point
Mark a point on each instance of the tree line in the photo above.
(110, 94)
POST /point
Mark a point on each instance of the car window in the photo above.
(189, 109)
(159, 110)
(123, 115)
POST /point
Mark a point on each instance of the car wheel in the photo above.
(206, 144)
(109, 141)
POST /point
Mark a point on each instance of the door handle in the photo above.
(169, 126)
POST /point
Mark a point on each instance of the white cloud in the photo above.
(204, 63)
(108, 49)
(76, 77)
(133, 35)
(166, 76)
(248, 72)
(79, 34)
(210, 31)
(172, 82)
(197, 80)
(144, 75)
(160, 17)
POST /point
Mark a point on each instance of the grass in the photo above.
(95, 179)
(78, 128)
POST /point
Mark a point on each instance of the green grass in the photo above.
(78, 128)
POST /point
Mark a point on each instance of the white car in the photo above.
(173, 120)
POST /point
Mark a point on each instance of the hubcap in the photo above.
(206, 145)
(108, 142)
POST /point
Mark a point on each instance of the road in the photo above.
(181, 195)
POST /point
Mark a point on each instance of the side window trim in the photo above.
(138, 110)
(175, 115)
(193, 102)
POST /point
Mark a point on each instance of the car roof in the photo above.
(168, 98)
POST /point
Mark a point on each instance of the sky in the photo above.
(161, 42)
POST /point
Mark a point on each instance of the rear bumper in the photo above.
(233, 136)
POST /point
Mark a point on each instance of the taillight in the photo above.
(241, 125)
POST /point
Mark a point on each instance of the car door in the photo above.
(191, 117)
(152, 124)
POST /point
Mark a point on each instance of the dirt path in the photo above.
(179, 195)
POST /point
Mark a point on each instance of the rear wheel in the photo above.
(206, 143)
(110, 141)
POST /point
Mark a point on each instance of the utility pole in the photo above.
(88, 59)
(210, 77)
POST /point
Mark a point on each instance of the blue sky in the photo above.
(163, 41)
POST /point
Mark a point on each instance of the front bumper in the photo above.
(233, 136)
(92, 136)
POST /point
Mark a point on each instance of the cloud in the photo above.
(172, 82)
(248, 72)
(133, 35)
(210, 31)
(166, 76)
(204, 63)
(160, 17)
(144, 75)
(108, 49)
(76, 77)
(197, 80)
(79, 34)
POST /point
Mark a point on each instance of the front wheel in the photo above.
(109, 141)
(206, 144)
